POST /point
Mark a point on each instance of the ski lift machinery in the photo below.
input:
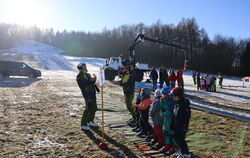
(112, 68)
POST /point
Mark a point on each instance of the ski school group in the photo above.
(169, 109)
(206, 82)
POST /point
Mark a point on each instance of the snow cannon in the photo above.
(102, 146)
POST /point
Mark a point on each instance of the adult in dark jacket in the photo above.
(88, 88)
(154, 78)
(163, 77)
(128, 84)
(182, 112)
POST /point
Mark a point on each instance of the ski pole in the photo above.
(102, 145)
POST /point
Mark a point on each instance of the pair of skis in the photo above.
(149, 151)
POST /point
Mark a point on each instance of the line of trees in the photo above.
(221, 54)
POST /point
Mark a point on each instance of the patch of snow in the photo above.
(51, 58)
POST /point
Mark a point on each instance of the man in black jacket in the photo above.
(163, 77)
(182, 112)
(128, 85)
(88, 88)
(154, 77)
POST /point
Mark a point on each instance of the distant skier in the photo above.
(182, 114)
(213, 84)
(208, 83)
(220, 77)
(203, 83)
(198, 81)
(163, 77)
(87, 85)
(180, 80)
(172, 78)
(154, 77)
(194, 77)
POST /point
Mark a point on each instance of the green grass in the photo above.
(238, 141)
(202, 142)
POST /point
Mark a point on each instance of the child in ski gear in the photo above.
(172, 79)
(137, 112)
(128, 84)
(158, 136)
(154, 77)
(167, 106)
(180, 79)
(213, 84)
(144, 107)
(88, 88)
(203, 83)
(163, 77)
(194, 77)
(220, 77)
(208, 83)
(198, 83)
(182, 114)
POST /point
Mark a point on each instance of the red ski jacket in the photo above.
(179, 77)
(145, 104)
(172, 78)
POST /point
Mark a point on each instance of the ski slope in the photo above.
(51, 58)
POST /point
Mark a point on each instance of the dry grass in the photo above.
(36, 122)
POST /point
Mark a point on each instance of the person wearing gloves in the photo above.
(167, 106)
(158, 136)
(88, 88)
(128, 85)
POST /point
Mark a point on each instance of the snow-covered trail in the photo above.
(50, 58)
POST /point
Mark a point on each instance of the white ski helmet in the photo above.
(157, 92)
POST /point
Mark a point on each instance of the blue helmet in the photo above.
(166, 90)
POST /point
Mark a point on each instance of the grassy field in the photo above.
(41, 118)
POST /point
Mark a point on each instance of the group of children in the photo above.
(170, 113)
(206, 82)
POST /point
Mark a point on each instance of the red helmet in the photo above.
(177, 91)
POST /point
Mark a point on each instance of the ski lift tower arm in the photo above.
(140, 37)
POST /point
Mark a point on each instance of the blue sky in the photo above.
(225, 17)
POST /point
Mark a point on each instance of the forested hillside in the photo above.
(221, 54)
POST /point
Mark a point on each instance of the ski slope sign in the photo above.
(101, 77)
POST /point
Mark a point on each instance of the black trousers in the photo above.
(162, 82)
(181, 142)
(146, 127)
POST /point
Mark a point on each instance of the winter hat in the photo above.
(79, 66)
(177, 91)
